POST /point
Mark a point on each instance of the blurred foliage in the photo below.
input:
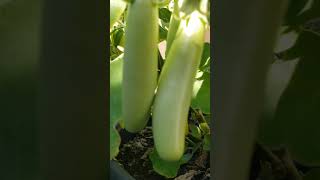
(295, 120)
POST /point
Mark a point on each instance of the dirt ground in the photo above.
(133, 156)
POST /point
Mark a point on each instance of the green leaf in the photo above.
(116, 39)
(286, 40)
(195, 131)
(115, 140)
(205, 56)
(207, 142)
(186, 158)
(296, 121)
(117, 36)
(294, 8)
(201, 93)
(201, 89)
(278, 77)
(306, 43)
(164, 14)
(165, 168)
(312, 12)
(162, 33)
(204, 127)
(115, 103)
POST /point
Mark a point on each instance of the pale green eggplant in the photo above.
(140, 71)
(174, 92)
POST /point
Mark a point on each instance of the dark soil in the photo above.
(267, 163)
(277, 164)
(134, 151)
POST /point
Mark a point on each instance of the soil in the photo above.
(277, 164)
(267, 163)
(134, 151)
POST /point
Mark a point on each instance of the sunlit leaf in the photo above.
(195, 131)
(115, 103)
(201, 99)
(165, 168)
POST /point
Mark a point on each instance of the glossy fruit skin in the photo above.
(140, 71)
(173, 98)
(117, 7)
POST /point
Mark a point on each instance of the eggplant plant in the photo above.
(266, 91)
(149, 89)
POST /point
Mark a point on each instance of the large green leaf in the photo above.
(165, 168)
(205, 58)
(207, 142)
(304, 44)
(201, 93)
(164, 14)
(115, 103)
(312, 12)
(162, 33)
(296, 122)
(201, 87)
(294, 8)
(286, 41)
(278, 77)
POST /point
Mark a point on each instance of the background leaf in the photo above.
(201, 100)
(164, 14)
(165, 168)
(297, 118)
(205, 56)
(195, 131)
(162, 33)
(207, 142)
(201, 90)
(295, 7)
(115, 103)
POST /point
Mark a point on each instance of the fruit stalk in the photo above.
(173, 27)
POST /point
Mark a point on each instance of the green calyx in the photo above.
(184, 8)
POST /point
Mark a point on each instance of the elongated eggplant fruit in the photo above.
(140, 63)
(172, 102)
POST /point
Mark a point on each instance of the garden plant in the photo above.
(170, 126)
(160, 87)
